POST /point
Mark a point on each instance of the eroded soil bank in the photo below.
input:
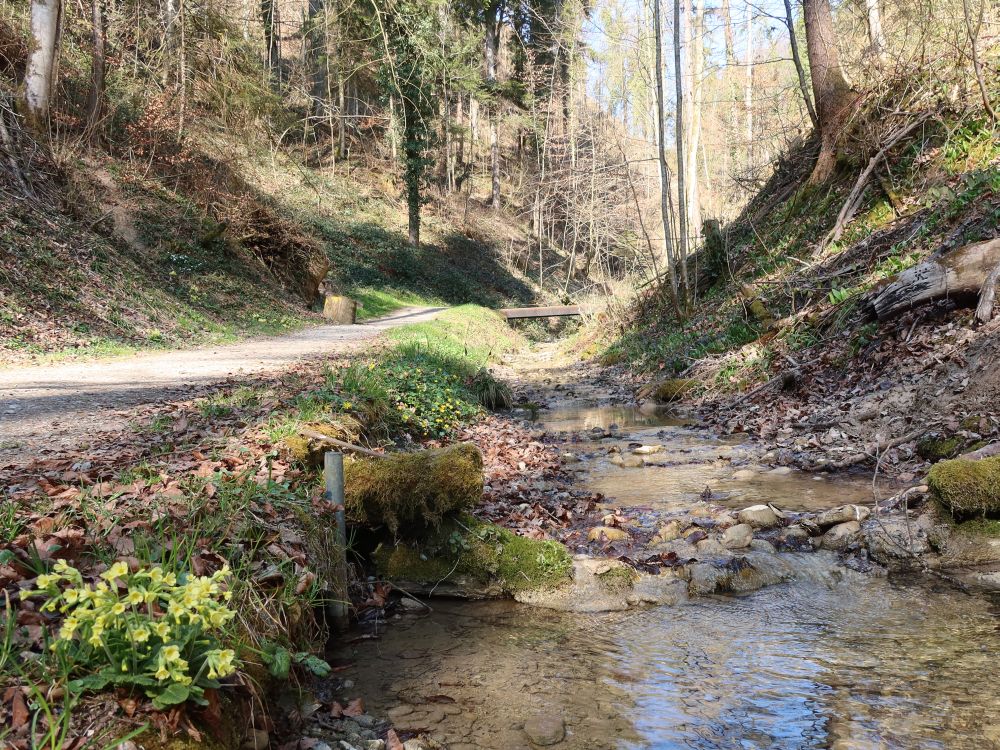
(787, 619)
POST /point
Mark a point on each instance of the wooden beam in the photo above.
(556, 311)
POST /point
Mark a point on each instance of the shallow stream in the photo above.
(832, 659)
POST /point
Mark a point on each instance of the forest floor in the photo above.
(45, 409)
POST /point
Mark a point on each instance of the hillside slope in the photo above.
(213, 240)
(781, 343)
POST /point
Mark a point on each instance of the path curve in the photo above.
(49, 405)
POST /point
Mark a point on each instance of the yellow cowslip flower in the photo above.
(118, 570)
(140, 635)
(135, 597)
(162, 673)
(69, 626)
(46, 580)
(124, 666)
(170, 653)
(118, 609)
(71, 596)
(156, 575)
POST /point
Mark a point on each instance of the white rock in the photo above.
(842, 514)
(838, 537)
(758, 516)
(738, 536)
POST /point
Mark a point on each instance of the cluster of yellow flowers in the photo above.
(145, 623)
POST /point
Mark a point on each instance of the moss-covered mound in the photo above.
(967, 488)
(937, 447)
(309, 451)
(673, 389)
(412, 492)
(493, 558)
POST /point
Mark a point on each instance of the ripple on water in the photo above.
(865, 664)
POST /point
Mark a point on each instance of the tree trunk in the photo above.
(797, 59)
(748, 83)
(833, 95)
(38, 76)
(727, 23)
(272, 43)
(95, 100)
(661, 151)
(697, 68)
(492, 53)
(875, 35)
(682, 205)
(960, 274)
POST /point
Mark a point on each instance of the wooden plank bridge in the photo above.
(553, 311)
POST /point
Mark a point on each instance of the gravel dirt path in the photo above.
(61, 405)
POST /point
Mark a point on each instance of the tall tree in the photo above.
(40, 71)
(682, 194)
(727, 25)
(831, 91)
(876, 36)
(661, 152)
(797, 60)
(95, 100)
(493, 19)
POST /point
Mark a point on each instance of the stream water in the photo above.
(832, 659)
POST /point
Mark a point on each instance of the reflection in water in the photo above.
(692, 459)
(860, 664)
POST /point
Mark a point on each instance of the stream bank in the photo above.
(661, 511)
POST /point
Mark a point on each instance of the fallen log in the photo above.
(959, 275)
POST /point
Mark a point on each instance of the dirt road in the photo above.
(62, 405)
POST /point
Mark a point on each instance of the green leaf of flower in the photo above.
(173, 694)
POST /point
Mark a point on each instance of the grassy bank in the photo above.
(774, 287)
(210, 547)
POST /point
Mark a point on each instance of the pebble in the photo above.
(608, 533)
(257, 739)
(545, 729)
(758, 516)
(735, 537)
(840, 536)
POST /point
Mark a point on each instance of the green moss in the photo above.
(979, 527)
(309, 451)
(411, 492)
(936, 447)
(490, 555)
(672, 389)
(618, 579)
(967, 488)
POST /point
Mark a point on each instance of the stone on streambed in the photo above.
(842, 514)
(667, 533)
(839, 537)
(647, 450)
(545, 729)
(473, 559)
(413, 492)
(744, 475)
(759, 517)
(894, 539)
(601, 585)
(627, 462)
(738, 536)
(608, 534)
(738, 575)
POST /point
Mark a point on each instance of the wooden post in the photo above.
(333, 474)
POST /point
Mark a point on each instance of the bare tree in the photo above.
(876, 36)
(40, 71)
(661, 152)
(682, 204)
(833, 95)
(797, 59)
(95, 101)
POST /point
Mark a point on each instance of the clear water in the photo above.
(692, 460)
(862, 663)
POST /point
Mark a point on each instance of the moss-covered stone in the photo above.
(937, 447)
(412, 492)
(309, 451)
(672, 389)
(967, 488)
(468, 549)
(618, 578)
